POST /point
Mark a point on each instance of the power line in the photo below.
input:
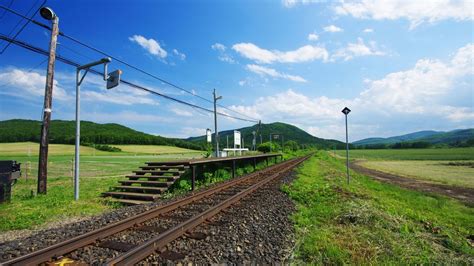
(125, 63)
(5, 12)
(28, 71)
(24, 25)
(130, 84)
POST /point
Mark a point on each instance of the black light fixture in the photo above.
(47, 13)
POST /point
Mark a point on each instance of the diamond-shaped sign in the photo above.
(346, 110)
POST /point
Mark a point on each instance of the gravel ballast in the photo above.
(257, 229)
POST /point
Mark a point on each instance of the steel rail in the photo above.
(139, 253)
(64, 247)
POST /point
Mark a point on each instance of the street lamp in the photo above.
(215, 121)
(48, 14)
(113, 80)
(346, 111)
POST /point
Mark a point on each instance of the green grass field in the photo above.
(443, 166)
(368, 222)
(99, 171)
(445, 172)
(412, 154)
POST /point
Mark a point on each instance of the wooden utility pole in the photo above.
(48, 95)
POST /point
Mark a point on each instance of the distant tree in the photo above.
(291, 145)
(268, 147)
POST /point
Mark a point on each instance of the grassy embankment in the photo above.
(99, 171)
(454, 166)
(368, 222)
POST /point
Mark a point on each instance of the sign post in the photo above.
(346, 111)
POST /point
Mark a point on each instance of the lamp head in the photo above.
(47, 13)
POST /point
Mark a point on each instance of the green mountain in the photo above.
(434, 137)
(287, 132)
(63, 132)
(402, 138)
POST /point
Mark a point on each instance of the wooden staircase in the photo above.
(148, 183)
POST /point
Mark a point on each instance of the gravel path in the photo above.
(257, 230)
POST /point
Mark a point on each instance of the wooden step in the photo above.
(128, 201)
(166, 163)
(158, 171)
(131, 195)
(141, 188)
(181, 168)
(154, 177)
(143, 182)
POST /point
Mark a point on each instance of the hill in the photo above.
(452, 138)
(403, 138)
(63, 132)
(289, 132)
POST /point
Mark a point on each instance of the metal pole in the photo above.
(48, 95)
(78, 137)
(215, 124)
(347, 153)
(193, 180)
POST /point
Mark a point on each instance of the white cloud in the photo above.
(332, 28)
(223, 56)
(180, 55)
(119, 95)
(226, 58)
(357, 49)
(292, 3)
(417, 93)
(313, 37)
(24, 84)
(218, 47)
(306, 53)
(242, 82)
(151, 45)
(368, 30)
(416, 12)
(181, 112)
(263, 71)
(414, 90)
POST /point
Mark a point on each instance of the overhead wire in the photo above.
(5, 12)
(130, 84)
(125, 63)
(24, 25)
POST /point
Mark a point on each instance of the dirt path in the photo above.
(465, 195)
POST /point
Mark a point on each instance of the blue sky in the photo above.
(401, 66)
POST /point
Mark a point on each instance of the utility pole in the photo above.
(215, 121)
(346, 111)
(48, 14)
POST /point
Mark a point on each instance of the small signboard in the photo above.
(114, 79)
(236, 138)
(208, 136)
(276, 136)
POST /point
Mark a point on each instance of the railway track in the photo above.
(133, 239)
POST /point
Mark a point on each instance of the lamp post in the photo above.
(113, 80)
(48, 14)
(346, 111)
(215, 121)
